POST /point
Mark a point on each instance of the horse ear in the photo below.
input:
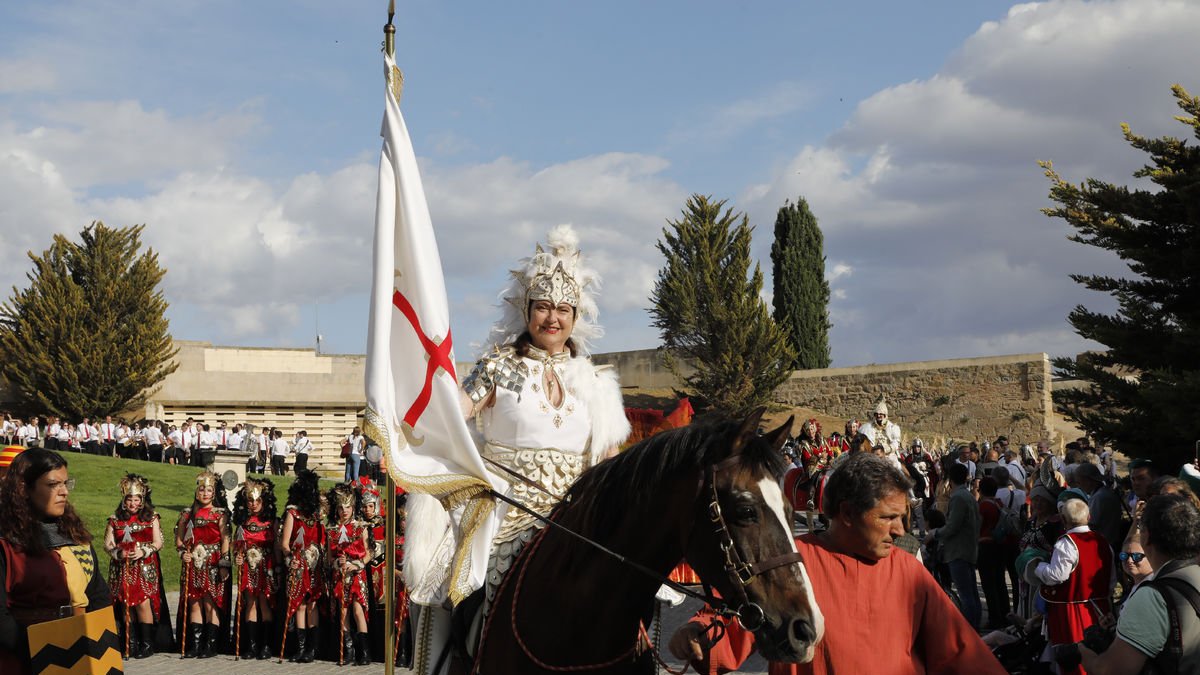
(777, 437)
(748, 431)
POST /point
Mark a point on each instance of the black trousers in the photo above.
(155, 452)
(301, 463)
(278, 465)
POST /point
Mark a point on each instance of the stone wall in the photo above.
(962, 399)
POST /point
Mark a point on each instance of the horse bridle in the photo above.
(740, 572)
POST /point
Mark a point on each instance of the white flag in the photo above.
(413, 409)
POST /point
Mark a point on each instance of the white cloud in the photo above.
(931, 193)
(730, 120)
(19, 76)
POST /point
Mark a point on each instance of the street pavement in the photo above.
(171, 664)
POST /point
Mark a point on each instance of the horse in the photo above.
(708, 493)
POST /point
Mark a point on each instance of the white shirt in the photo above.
(176, 438)
(1063, 560)
(152, 435)
(356, 444)
(234, 442)
(63, 433)
(279, 447)
(302, 446)
(262, 442)
(108, 431)
(1018, 498)
(1016, 471)
(205, 439)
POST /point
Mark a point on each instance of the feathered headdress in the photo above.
(133, 485)
(557, 274)
(207, 479)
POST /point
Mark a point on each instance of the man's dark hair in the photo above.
(957, 473)
(1144, 464)
(860, 481)
(1172, 525)
(987, 486)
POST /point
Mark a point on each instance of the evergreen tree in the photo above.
(88, 336)
(707, 307)
(801, 294)
(1141, 391)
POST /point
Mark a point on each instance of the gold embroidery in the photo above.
(557, 421)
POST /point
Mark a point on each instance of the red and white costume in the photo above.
(1078, 583)
(134, 581)
(306, 543)
(347, 540)
(256, 541)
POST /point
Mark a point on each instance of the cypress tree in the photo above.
(1140, 392)
(88, 337)
(707, 308)
(801, 294)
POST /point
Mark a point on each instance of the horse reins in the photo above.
(740, 572)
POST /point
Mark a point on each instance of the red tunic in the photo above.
(376, 540)
(346, 540)
(256, 541)
(305, 545)
(37, 588)
(201, 532)
(924, 632)
(132, 583)
(1070, 605)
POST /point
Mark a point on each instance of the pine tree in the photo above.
(88, 336)
(707, 307)
(801, 294)
(1141, 391)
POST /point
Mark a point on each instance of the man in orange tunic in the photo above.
(884, 613)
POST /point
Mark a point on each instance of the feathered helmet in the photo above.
(342, 496)
(556, 274)
(207, 479)
(368, 491)
(881, 407)
(816, 426)
(133, 485)
(255, 489)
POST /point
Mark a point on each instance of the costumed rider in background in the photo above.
(883, 431)
(133, 538)
(547, 414)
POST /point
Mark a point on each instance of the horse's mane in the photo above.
(596, 502)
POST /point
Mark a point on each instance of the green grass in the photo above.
(98, 491)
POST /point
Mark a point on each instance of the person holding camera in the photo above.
(1160, 623)
(1078, 580)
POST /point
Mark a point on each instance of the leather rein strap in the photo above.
(740, 572)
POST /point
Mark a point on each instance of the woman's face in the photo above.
(254, 505)
(369, 509)
(204, 494)
(344, 513)
(49, 494)
(1136, 570)
(133, 503)
(551, 325)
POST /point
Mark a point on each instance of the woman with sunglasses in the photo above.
(46, 554)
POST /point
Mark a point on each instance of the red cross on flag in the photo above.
(413, 409)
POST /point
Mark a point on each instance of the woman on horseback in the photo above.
(547, 412)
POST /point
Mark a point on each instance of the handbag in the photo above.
(345, 449)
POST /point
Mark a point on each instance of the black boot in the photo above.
(146, 632)
(211, 633)
(363, 649)
(347, 647)
(264, 638)
(310, 652)
(252, 643)
(195, 636)
(298, 657)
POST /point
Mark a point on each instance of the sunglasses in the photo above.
(1137, 558)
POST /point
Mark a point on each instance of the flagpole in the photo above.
(389, 565)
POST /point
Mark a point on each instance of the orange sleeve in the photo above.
(946, 640)
(728, 654)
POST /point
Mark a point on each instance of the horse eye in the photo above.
(747, 513)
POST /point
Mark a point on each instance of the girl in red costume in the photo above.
(202, 539)
(254, 549)
(347, 555)
(302, 538)
(133, 539)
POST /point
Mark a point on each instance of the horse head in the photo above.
(742, 544)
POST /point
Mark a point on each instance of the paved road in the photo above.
(164, 664)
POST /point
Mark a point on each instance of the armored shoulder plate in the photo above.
(502, 368)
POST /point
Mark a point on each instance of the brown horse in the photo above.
(708, 493)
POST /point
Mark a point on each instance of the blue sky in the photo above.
(245, 136)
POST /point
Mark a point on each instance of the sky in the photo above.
(245, 137)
